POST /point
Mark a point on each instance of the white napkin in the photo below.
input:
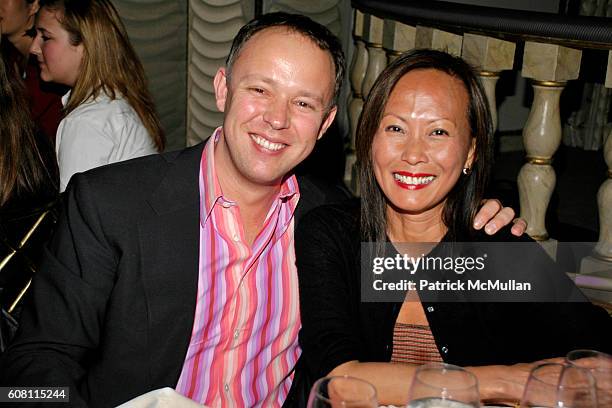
(162, 398)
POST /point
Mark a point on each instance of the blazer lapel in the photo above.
(169, 241)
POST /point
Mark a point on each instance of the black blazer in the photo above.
(111, 312)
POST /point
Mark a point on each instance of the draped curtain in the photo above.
(158, 31)
(182, 43)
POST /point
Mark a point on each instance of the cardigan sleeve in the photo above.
(324, 253)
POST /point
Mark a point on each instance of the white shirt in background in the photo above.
(99, 132)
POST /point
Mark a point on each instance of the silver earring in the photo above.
(467, 171)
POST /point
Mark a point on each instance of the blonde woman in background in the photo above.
(110, 114)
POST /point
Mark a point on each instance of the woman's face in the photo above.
(423, 141)
(59, 60)
(16, 16)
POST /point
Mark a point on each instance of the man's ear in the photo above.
(220, 84)
(327, 121)
(34, 7)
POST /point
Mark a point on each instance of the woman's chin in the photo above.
(416, 209)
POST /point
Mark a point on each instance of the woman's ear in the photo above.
(469, 161)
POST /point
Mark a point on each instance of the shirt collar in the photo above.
(66, 97)
(210, 188)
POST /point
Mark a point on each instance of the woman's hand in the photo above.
(493, 216)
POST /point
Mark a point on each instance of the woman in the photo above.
(424, 148)
(110, 115)
(28, 187)
(17, 28)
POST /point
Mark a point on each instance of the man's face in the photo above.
(276, 105)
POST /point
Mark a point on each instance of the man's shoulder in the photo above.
(337, 219)
(134, 172)
(165, 180)
(315, 192)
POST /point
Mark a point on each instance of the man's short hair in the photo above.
(316, 32)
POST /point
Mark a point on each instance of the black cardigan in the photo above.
(337, 327)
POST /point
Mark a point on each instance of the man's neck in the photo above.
(253, 202)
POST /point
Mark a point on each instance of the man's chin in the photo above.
(267, 180)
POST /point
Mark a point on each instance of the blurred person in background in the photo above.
(109, 113)
(17, 30)
(28, 186)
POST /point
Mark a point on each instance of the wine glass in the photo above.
(439, 385)
(343, 391)
(554, 385)
(600, 366)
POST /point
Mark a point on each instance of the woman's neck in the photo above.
(423, 227)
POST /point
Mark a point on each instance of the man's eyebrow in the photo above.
(302, 93)
(311, 95)
(42, 30)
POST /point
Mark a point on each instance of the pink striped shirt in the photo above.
(244, 340)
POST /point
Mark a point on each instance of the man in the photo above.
(179, 270)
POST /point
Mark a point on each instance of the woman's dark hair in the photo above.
(22, 168)
(464, 199)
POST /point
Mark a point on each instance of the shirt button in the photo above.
(226, 387)
(236, 334)
(445, 349)
(430, 309)
(236, 238)
(225, 204)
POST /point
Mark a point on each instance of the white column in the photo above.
(550, 66)
(490, 56)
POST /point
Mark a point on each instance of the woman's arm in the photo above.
(393, 381)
